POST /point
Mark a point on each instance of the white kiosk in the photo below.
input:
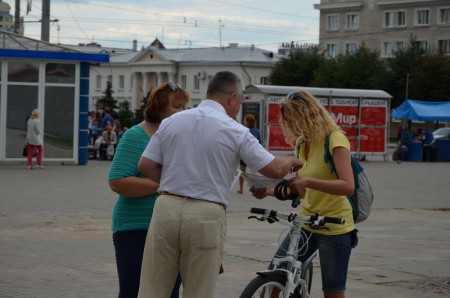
(362, 114)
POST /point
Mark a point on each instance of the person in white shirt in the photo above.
(194, 156)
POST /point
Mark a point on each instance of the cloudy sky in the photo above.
(177, 23)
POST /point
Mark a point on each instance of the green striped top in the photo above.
(131, 213)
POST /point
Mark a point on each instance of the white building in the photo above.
(133, 73)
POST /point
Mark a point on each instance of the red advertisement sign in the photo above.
(352, 135)
(373, 112)
(276, 139)
(274, 109)
(344, 111)
(372, 139)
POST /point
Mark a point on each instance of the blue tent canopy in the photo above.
(423, 110)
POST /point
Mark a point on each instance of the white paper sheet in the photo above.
(259, 181)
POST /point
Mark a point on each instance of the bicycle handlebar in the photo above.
(272, 215)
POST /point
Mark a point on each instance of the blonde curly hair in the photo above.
(303, 118)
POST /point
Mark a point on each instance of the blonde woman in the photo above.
(34, 140)
(306, 125)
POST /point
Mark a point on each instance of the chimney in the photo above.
(135, 45)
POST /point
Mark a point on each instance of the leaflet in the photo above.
(259, 181)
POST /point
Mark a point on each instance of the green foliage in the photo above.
(297, 69)
(139, 113)
(362, 70)
(108, 100)
(426, 73)
(125, 114)
(430, 78)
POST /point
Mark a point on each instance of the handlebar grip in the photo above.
(334, 220)
(258, 211)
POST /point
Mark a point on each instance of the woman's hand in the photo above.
(259, 193)
(298, 185)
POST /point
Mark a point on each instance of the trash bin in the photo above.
(415, 152)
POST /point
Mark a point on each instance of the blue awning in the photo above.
(423, 110)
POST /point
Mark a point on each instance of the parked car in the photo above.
(442, 133)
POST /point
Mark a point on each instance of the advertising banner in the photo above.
(363, 120)
(276, 140)
(273, 109)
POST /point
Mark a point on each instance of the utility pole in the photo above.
(407, 83)
(45, 25)
(17, 17)
(220, 32)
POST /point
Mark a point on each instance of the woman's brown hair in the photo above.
(159, 99)
(251, 121)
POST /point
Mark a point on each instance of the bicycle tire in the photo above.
(257, 286)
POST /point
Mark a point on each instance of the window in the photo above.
(444, 16)
(263, 80)
(332, 50)
(183, 81)
(98, 82)
(121, 82)
(399, 45)
(422, 17)
(333, 22)
(196, 83)
(387, 48)
(401, 19)
(394, 19)
(350, 48)
(352, 22)
(444, 46)
(421, 45)
(388, 19)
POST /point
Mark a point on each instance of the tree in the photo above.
(400, 69)
(430, 78)
(139, 113)
(125, 114)
(108, 100)
(361, 70)
(297, 69)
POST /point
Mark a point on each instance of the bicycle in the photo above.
(289, 277)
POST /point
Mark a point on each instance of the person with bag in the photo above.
(109, 141)
(34, 140)
(137, 194)
(306, 125)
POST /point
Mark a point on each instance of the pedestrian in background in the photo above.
(194, 155)
(34, 140)
(137, 194)
(250, 122)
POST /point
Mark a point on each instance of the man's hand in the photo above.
(259, 193)
(297, 165)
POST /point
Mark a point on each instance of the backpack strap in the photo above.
(356, 169)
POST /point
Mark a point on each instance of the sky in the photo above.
(177, 23)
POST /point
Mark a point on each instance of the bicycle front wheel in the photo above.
(265, 286)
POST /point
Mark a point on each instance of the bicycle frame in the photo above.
(287, 273)
(289, 265)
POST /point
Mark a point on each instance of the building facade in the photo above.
(384, 25)
(133, 74)
(7, 20)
